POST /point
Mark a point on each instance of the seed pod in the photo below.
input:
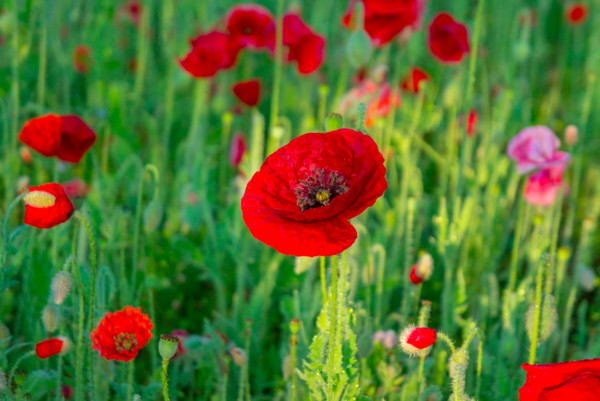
(50, 318)
(359, 48)
(167, 346)
(61, 286)
(333, 121)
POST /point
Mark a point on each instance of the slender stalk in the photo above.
(13, 371)
(41, 84)
(448, 341)
(514, 260)
(130, 379)
(165, 379)
(332, 326)
(79, 353)
(536, 316)
(323, 279)
(277, 67)
(294, 326)
(5, 237)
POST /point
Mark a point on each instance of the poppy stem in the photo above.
(6, 238)
(323, 279)
(294, 326)
(332, 327)
(79, 354)
(360, 119)
(165, 379)
(514, 260)
(130, 379)
(13, 371)
(538, 306)
(448, 341)
(277, 67)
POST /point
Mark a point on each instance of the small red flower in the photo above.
(82, 59)
(122, 334)
(76, 188)
(47, 206)
(67, 392)
(382, 105)
(182, 335)
(413, 276)
(472, 122)
(576, 13)
(66, 137)
(544, 186)
(385, 19)
(251, 25)
(577, 380)
(52, 346)
(237, 150)
(247, 91)
(304, 46)
(417, 341)
(210, 53)
(448, 39)
(131, 11)
(25, 154)
(411, 82)
(304, 194)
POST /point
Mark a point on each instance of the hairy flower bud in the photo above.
(238, 355)
(571, 134)
(417, 341)
(167, 346)
(153, 216)
(50, 318)
(52, 346)
(61, 286)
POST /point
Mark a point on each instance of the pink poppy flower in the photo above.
(536, 148)
(543, 187)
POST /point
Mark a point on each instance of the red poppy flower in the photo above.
(182, 335)
(411, 82)
(76, 138)
(66, 137)
(210, 53)
(577, 380)
(237, 150)
(576, 13)
(386, 19)
(132, 11)
(305, 47)
(448, 39)
(82, 59)
(122, 334)
(251, 25)
(247, 91)
(382, 105)
(422, 337)
(67, 392)
(47, 206)
(472, 122)
(52, 346)
(413, 276)
(304, 194)
(76, 188)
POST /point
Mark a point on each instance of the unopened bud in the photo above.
(153, 216)
(61, 286)
(50, 318)
(571, 134)
(417, 341)
(333, 121)
(359, 47)
(167, 346)
(238, 355)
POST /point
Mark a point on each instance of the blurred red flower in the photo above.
(82, 59)
(577, 380)
(182, 335)
(122, 334)
(413, 276)
(448, 39)
(132, 11)
(422, 337)
(411, 82)
(210, 53)
(543, 186)
(237, 150)
(248, 92)
(251, 25)
(52, 346)
(47, 206)
(301, 199)
(67, 392)
(76, 188)
(472, 119)
(576, 13)
(66, 137)
(379, 98)
(386, 19)
(305, 47)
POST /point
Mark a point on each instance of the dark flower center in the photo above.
(247, 30)
(319, 188)
(125, 342)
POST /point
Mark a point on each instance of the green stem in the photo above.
(323, 279)
(5, 238)
(13, 371)
(165, 379)
(536, 316)
(294, 326)
(79, 354)
(41, 84)
(130, 379)
(332, 326)
(448, 341)
(514, 260)
(277, 67)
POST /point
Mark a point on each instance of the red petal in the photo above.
(77, 137)
(47, 348)
(422, 337)
(42, 134)
(48, 217)
(248, 91)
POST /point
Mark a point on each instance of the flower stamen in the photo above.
(39, 199)
(125, 342)
(320, 188)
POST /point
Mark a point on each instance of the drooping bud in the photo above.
(422, 270)
(333, 121)
(238, 355)
(417, 341)
(571, 134)
(61, 286)
(167, 346)
(52, 346)
(457, 367)
(50, 318)
(548, 317)
(359, 47)
(153, 216)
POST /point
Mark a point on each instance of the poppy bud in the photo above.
(23, 183)
(333, 121)
(359, 47)
(167, 346)
(25, 154)
(153, 216)
(61, 286)
(52, 346)
(547, 317)
(422, 270)
(521, 50)
(67, 392)
(238, 355)
(50, 318)
(417, 341)
(457, 367)
(571, 133)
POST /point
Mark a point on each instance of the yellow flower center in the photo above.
(125, 342)
(40, 199)
(322, 197)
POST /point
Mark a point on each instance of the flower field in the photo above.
(321, 200)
